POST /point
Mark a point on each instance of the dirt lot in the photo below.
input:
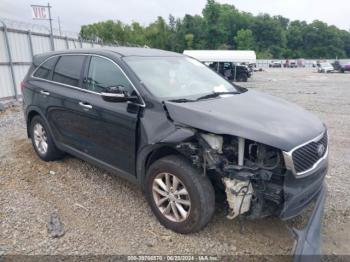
(103, 214)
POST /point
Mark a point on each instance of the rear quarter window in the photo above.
(68, 69)
(44, 71)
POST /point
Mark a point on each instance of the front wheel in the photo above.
(181, 198)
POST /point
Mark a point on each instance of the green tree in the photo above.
(295, 39)
(269, 35)
(284, 22)
(157, 34)
(244, 40)
(345, 35)
(136, 34)
(223, 26)
(189, 40)
(322, 41)
(211, 14)
(231, 21)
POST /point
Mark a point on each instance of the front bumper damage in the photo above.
(298, 193)
(258, 184)
(308, 241)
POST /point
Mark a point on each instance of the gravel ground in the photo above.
(103, 214)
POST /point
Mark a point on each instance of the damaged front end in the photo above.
(258, 181)
(250, 174)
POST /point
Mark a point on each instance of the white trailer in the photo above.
(234, 56)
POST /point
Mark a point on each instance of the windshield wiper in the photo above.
(211, 95)
(182, 100)
(216, 94)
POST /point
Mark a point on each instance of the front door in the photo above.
(108, 129)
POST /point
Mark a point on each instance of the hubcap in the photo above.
(171, 197)
(40, 138)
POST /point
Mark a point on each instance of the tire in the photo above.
(201, 195)
(245, 78)
(52, 152)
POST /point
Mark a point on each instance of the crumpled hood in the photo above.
(252, 115)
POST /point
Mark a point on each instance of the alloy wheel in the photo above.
(40, 138)
(171, 197)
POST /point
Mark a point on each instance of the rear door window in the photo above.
(44, 71)
(68, 70)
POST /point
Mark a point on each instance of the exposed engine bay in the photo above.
(248, 173)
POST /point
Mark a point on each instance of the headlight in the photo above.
(263, 156)
(245, 152)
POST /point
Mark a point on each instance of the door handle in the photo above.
(44, 93)
(85, 105)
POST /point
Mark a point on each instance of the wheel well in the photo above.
(29, 120)
(159, 153)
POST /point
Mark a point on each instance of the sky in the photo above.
(73, 14)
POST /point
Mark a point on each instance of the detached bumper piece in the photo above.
(308, 240)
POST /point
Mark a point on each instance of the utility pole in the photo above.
(59, 25)
(51, 31)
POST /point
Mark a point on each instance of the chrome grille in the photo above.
(306, 156)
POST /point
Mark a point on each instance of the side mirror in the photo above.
(117, 94)
(114, 97)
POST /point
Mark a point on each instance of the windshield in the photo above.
(326, 65)
(178, 77)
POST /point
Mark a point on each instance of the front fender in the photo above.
(169, 142)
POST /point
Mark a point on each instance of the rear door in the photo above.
(40, 83)
(63, 93)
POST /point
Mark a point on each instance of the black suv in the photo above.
(182, 132)
(232, 71)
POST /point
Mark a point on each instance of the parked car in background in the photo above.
(301, 62)
(346, 68)
(338, 66)
(341, 67)
(232, 71)
(275, 64)
(293, 64)
(231, 64)
(325, 67)
(290, 64)
(252, 66)
(249, 68)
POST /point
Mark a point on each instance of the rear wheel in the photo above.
(42, 140)
(245, 78)
(182, 199)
